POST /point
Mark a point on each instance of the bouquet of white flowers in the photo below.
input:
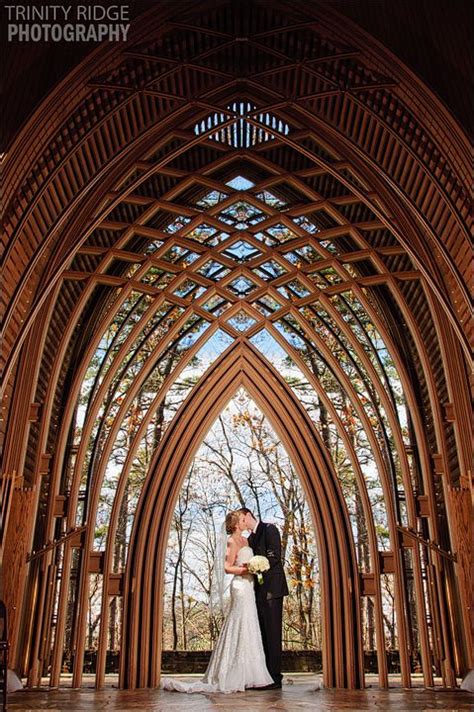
(257, 565)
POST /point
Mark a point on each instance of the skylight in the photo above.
(240, 183)
(242, 133)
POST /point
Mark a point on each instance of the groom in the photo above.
(265, 541)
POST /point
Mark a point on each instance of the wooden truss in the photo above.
(357, 180)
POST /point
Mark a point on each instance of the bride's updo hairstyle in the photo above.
(231, 521)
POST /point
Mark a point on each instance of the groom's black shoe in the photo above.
(271, 686)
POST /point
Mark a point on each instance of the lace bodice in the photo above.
(244, 555)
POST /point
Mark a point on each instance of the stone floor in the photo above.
(298, 693)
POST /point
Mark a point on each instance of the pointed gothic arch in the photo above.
(342, 656)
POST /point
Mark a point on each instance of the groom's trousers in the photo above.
(270, 615)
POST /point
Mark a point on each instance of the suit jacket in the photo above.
(267, 542)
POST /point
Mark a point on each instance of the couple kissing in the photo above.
(247, 653)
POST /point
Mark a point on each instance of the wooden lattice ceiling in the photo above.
(126, 187)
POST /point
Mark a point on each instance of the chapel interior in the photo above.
(291, 177)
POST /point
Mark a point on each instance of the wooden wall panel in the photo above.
(14, 567)
(462, 508)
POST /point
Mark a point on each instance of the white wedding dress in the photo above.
(238, 659)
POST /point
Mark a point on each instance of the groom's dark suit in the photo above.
(269, 595)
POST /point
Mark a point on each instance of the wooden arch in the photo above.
(242, 366)
(369, 149)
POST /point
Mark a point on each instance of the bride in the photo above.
(238, 659)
